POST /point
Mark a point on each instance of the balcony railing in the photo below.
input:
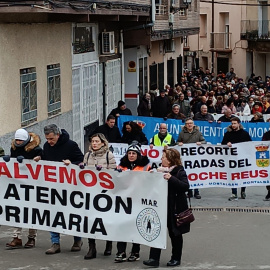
(255, 30)
(220, 41)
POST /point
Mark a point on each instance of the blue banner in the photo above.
(212, 132)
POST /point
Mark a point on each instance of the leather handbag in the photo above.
(185, 216)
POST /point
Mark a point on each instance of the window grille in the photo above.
(54, 89)
(28, 78)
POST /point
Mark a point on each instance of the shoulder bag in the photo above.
(185, 216)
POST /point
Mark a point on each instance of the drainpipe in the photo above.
(153, 11)
(122, 60)
(213, 28)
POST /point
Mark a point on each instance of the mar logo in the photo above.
(262, 155)
(148, 224)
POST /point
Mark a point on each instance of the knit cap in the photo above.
(21, 134)
(121, 103)
(135, 146)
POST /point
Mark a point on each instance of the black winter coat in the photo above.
(235, 136)
(116, 111)
(29, 151)
(161, 107)
(111, 134)
(63, 149)
(140, 137)
(143, 109)
(266, 136)
(177, 200)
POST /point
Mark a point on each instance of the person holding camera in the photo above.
(99, 156)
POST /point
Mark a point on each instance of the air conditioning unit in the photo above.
(107, 43)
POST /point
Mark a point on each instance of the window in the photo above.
(203, 25)
(185, 41)
(169, 45)
(54, 89)
(28, 77)
(182, 12)
(83, 40)
(161, 9)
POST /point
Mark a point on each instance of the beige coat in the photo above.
(99, 157)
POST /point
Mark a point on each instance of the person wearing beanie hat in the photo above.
(25, 145)
(22, 136)
(120, 104)
(134, 161)
(120, 110)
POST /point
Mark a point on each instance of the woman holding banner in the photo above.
(178, 184)
(99, 156)
(134, 161)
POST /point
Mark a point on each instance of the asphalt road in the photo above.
(219, 239)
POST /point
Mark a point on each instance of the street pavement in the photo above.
(225, 235)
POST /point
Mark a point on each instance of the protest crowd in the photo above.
(197, 97)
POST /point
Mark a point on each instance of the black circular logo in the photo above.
(148, 224)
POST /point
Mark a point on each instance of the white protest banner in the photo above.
(207, 165)
(118, 206)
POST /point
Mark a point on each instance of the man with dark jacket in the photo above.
(227, 117)
(121, 109)
(162, 105)
(236, 134)
(203, 115)
(109, 130)
(60, 148)
(144, 108)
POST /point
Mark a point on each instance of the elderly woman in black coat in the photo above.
(178, 185)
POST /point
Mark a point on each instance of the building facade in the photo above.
(70, 63)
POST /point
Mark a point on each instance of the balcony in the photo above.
(220, 42)
(255, 30)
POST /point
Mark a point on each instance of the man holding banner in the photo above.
(236, 134)
(163, 137)
(61, 149)
(191, 134)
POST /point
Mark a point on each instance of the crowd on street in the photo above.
(197, 96)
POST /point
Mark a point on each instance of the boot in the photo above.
(76, 246)
(30, 243)
(108, 249)
(15, 243)
(92, 252)
(55, 248)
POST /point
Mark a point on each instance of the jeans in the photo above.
(55, 238)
